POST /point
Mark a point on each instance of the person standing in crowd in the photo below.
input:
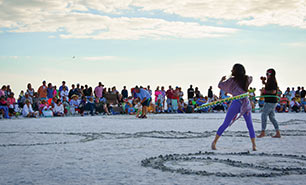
(64, 93)
(30, 90)
(190, 93)
(181, 93)
(124, 92)
(303, 99)
(42, 91)
(157, 94)
(2, 91)
(145, 100)
(72, 91)
(210, 94)
(62, 87)
(270, 103)
(298, 91)
(99, 90)
(50, 91)
(197, 92)
(163, 93)
(78, 90)
(292, 93)
(236, 85)
(169, 94)
(288, 93)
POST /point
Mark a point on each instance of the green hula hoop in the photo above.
(241, 96)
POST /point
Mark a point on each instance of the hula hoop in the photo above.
(241, 96)
(267, 96)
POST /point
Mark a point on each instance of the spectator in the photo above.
(30, 90)
(66, 105)
(298, 91)
(210, 93)
(11, 104)
(50, 91)
(62, 86)
(288, 93)
(64, 93)
(169, 94)
(181, 93)
(292, 93)
(58, 109)
(303, 93)
(157, 93)
(181, 106)
(27, 110)
(283, 104)
(74, 104)
(24, 98)
(72, 91)
(197, 92)
(163, 93)
(35, 101)
(4, 107)
(99, 90)
(42, 91)
(124, 92)
(78, 90)
(295, 106)
(55, 91)
(303, 99)
(190, 93)
(190, 107)
(3, 91)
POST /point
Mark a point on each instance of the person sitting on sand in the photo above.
(74, 104)
(27, 110)
(58, 109)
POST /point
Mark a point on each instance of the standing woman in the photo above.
(236, 85)
(270, 103)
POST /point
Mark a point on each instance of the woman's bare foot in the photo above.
(213, 146)
(254, 148)
(262, 134)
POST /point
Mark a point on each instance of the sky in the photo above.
(150, 42)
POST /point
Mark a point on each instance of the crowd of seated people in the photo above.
(50, 101)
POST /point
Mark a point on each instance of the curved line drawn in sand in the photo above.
(290, 164)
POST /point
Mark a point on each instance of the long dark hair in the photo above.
(272, 79)
(239, 76)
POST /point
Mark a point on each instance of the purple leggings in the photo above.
(233, 110)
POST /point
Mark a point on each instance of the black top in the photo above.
(270, 87)
(210, 93)
(124, 93)
(303, 92)
(190, 93)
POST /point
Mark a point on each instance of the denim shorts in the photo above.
(147, 102)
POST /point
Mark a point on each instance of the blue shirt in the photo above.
(62, 87)
(143, 94)
(50, 93)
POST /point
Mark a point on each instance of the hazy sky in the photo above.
(156, 42)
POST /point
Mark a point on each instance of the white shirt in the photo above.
(64, 93)
(26, 110)
(292, 103)
(58, 108)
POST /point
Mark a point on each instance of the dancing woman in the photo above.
(270, 103)
(236, 85)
